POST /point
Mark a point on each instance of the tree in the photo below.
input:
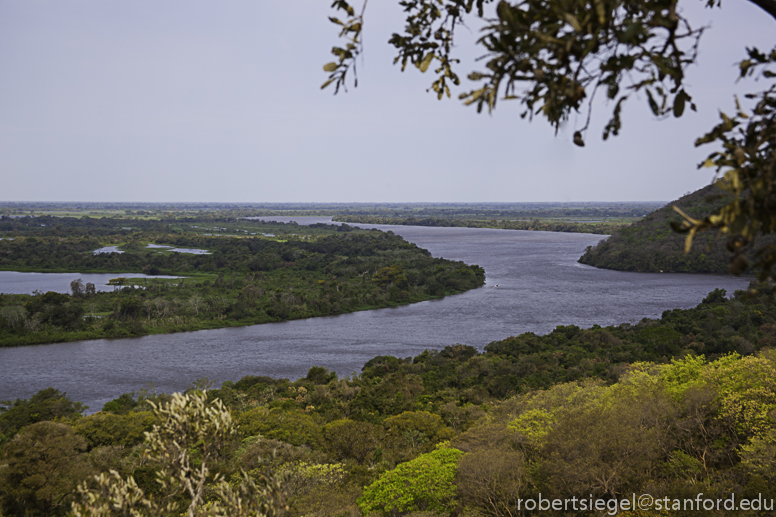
(185, 444)
(47, 404)
(425, 483)
(43, 465)
(347, 439)
(493, 480)
(554, 56)
(414, 432)
(77, 288)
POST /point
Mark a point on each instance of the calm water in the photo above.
(540, 285)
(108, 249)
(14, 282)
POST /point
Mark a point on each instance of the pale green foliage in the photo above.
(745, 388)
(248, 498)
(114, 496)
(13, 315)
(189, 424)
(425, 483)
(759, 456)
(683, 374)
(614, 450)
(301, 476)
(534, 424)
(189, 437)
(686, 418)
(542, 409)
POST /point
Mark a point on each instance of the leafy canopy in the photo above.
(554, 56)
(425, 483)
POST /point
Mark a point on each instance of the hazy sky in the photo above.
(189, 100)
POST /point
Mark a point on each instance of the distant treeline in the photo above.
(56, 226)
(595, 210)
(599, 228)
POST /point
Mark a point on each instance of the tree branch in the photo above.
(769, 6)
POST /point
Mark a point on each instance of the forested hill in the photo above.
(650, 244)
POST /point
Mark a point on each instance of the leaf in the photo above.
(330, 67)
(631, 32)
(652, 103)
(709, 163)
(578, 140)
(473, 96)
(679, 101)
(423, 65)
(690, 220)
(688, 239)
(572, 20)
(504, 11)
(599, 9)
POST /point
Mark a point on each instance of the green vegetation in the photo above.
(651, 245)
(673, 407)
(534, 225)
(598, 218)
(245, 278)
(570, 211)
(226, 219)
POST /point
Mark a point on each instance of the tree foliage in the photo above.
(554, 56)
(425, 483)
(47, 404)
(190, 436)
(43, 466)
(574, 413)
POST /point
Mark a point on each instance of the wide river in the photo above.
(533, 284)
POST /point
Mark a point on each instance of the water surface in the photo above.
(540, 286)
(15, 282)
(107, 249)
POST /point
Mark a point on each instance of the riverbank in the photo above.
(102, 326)
(239, 282)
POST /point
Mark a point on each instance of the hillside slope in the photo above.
(650, 245)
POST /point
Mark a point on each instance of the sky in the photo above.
(220, 101)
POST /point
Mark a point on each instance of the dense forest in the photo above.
(673, 407)
(650, 245)
(253, 272)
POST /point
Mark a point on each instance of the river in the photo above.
(534, 283)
